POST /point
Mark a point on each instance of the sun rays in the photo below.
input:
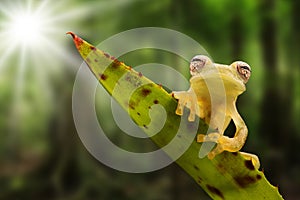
(32, 39)
(34, 48)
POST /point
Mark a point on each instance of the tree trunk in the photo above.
(273, 107)
(236, 34)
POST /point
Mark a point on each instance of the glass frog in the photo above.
(212, 96)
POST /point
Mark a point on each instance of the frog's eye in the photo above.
(244, 70)
(197, 63)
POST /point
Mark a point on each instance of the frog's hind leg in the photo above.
(224, 143)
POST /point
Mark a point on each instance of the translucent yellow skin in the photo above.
(212, 96)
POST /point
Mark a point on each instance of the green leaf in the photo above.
(227, 176)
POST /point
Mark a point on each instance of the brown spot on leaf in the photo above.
(155, 101)
(95, 60)
(103, 77)
(128, 78)
(93, 48)
(244, 181)
(106, 55)
(199, 180)
(88, 60)
(249, 165)
(196, 168)
(146, 92)
(131, 105)
(118, 62)
(258, 177)
(139, 114)
(235, 153)
(140, 74)
(221, 168)
(145, 126)
(115, 64)
(215, 191)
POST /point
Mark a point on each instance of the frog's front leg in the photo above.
(188, 99)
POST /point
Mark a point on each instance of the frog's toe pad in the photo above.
(179, 111)
(200, 138)
(191, 117)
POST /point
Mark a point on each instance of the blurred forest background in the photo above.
(41, 155)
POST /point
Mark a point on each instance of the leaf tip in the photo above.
(71, 33)
(77, 40)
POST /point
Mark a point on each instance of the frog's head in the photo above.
(238, 71)
(242, 70)
(198, 63)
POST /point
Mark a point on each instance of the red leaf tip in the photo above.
(77, 40)
(72, 34)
